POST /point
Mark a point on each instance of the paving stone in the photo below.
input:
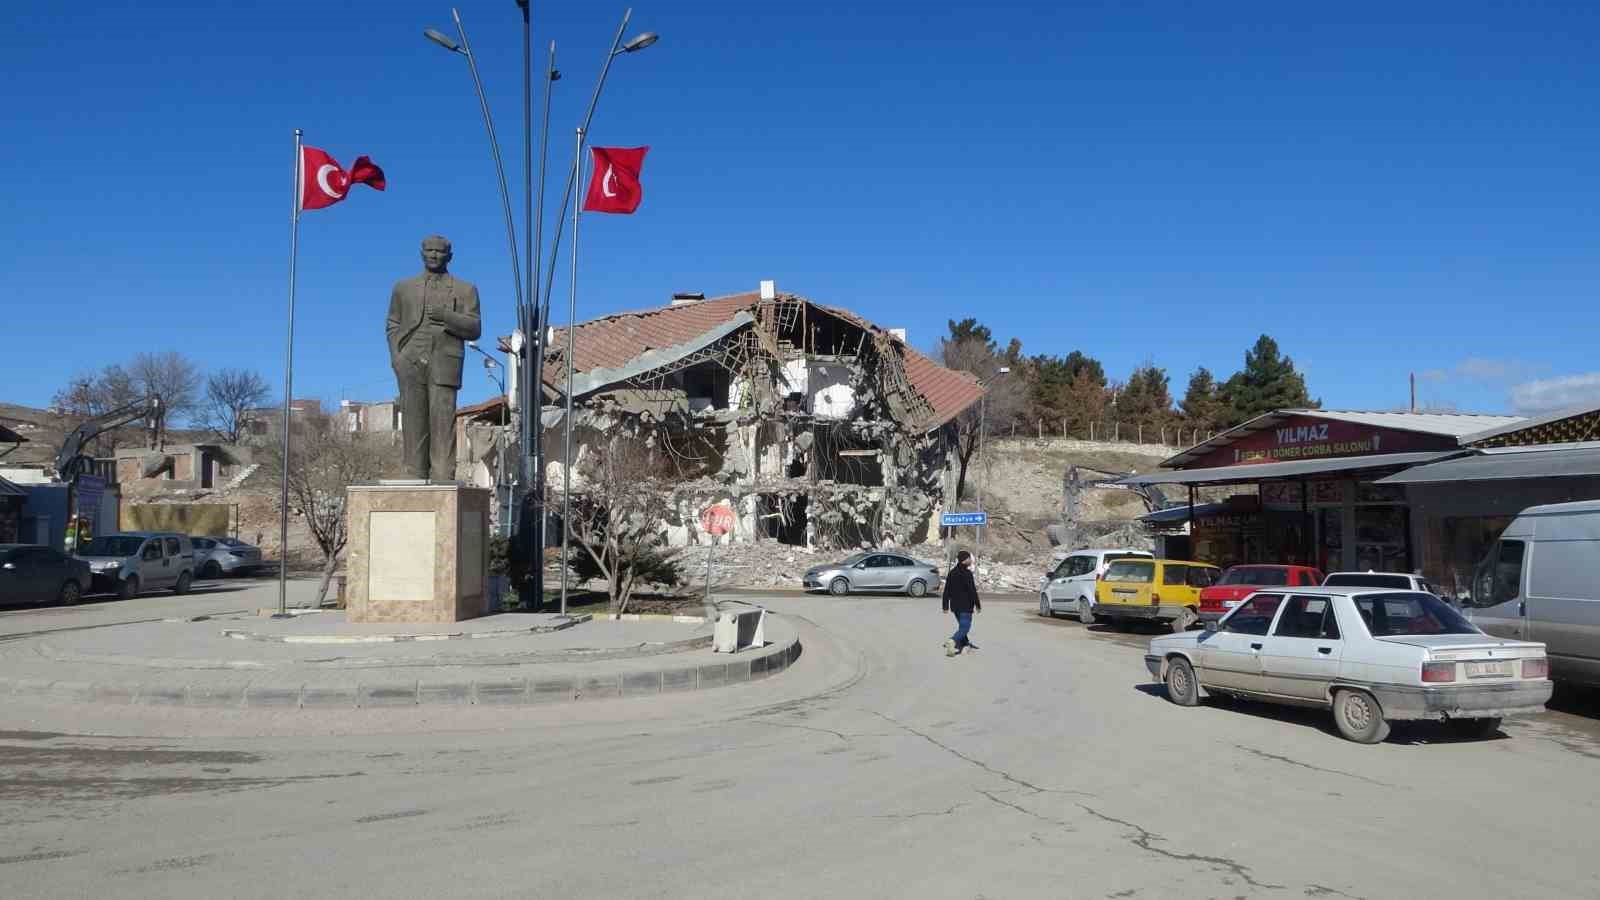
(739, 672)
(450, 693)
(712, 676)
(639, 683)
(600, 688)
(499, 693)
(272, 697)
(392, 694)
(677, 680)
(555, 690)
(328, 698)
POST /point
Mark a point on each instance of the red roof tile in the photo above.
(611, 341)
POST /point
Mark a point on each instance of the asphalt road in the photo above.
(1043, 765)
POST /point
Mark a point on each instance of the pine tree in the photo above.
(1203, 407)
(1267, 382)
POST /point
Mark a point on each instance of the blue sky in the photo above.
(1384, 188)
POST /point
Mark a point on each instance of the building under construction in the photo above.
(818, 427)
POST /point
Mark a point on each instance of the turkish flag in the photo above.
(614, 184)
(324, 183)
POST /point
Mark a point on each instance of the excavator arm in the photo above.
(70, 461)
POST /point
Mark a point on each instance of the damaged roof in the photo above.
(613, 341)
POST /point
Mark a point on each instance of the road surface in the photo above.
(1043, 765)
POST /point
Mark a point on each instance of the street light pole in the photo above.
(531, 375)
(983, 408)
(566, 388)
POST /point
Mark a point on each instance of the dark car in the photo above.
(33, 573)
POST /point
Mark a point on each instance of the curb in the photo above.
(239, 635)
(757, 666)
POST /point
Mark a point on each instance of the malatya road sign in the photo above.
(951, 520)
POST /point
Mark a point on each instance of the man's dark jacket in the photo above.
(961, 591)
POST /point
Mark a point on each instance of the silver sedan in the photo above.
(874, 572)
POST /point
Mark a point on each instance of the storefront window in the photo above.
(1455, 546)
(1381, 540)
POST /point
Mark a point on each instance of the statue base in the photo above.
(418, 552)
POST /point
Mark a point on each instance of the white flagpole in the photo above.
(288, 387)
(572, 326)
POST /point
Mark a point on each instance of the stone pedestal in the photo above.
(417, 552)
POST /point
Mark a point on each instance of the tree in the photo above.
(327, 459)
(1006, 398)
(230, 395)
(1145, 401)
(1203, 407)
(1267, 382)
(620, 503)
(172, 378)
(1069, 389)
(91, 395)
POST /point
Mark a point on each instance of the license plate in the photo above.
(1121, 592)
(1488, 669)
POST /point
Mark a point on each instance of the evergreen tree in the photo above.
(1267, 382)
(1146, 400)
(1203, 406)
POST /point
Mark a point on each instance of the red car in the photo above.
(1239, 582)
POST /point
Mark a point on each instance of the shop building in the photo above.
(1307, 486)
(1460, 505)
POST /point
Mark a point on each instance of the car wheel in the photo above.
(1044, 604)
(1359, 717)
(184, 581)
(1182, 688)
(839, 587)
(211, 570)
(1085, 611)
(918, 588)
(1475, 728)
(71, 594)
(1185, 620)
(128, 588)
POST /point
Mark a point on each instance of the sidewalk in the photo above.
(242, 661)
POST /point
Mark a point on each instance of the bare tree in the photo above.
(230, 396)
(173, 378)
(1004, 403)
(619, 512)
(324, 461)
(90, 395)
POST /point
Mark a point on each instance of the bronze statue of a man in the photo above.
(430, 316)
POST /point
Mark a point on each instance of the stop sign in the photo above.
(717, 519)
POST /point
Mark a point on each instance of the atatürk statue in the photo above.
(429, 318)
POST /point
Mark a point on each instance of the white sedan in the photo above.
(1373, 656)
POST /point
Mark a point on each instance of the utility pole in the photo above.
(1413, 392)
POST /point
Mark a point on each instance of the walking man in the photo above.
(961, 598)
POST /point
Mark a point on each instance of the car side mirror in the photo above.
(1211, 626)
(859, 565)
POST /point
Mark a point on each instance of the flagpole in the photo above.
(288, 386)
(572, 327)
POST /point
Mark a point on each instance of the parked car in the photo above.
(1539, 582)
(1069, 585)
(875, 572)
(1371, 656)
(1239, 582)
(1163, 590)
(34, 573)
(135, 561)
(218, 556)
(1399, 581)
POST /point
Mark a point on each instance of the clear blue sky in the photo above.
(1384, 188)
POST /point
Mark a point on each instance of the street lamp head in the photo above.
(640, 42)
(442, 39)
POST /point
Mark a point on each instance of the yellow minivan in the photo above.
(1166, 590)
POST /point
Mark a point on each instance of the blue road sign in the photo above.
(950, 520)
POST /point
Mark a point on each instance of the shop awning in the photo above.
(1505, 464)
(1285, 471)
(7, 489)
(1177, 515)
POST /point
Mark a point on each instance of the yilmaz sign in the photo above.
(1310, 437)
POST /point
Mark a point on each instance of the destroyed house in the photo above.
(818, 427)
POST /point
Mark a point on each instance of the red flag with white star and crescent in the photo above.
(614, 185)
(323, 182)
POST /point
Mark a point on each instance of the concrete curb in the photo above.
(239, 635)
(743, 667)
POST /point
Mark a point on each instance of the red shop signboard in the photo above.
(1309, 437)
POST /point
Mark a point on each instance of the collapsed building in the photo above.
(817, 427)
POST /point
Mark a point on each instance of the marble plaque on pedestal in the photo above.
(417, 552)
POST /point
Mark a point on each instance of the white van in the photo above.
(1541, 582)
(1069, 585)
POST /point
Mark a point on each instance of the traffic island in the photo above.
(247, 662)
